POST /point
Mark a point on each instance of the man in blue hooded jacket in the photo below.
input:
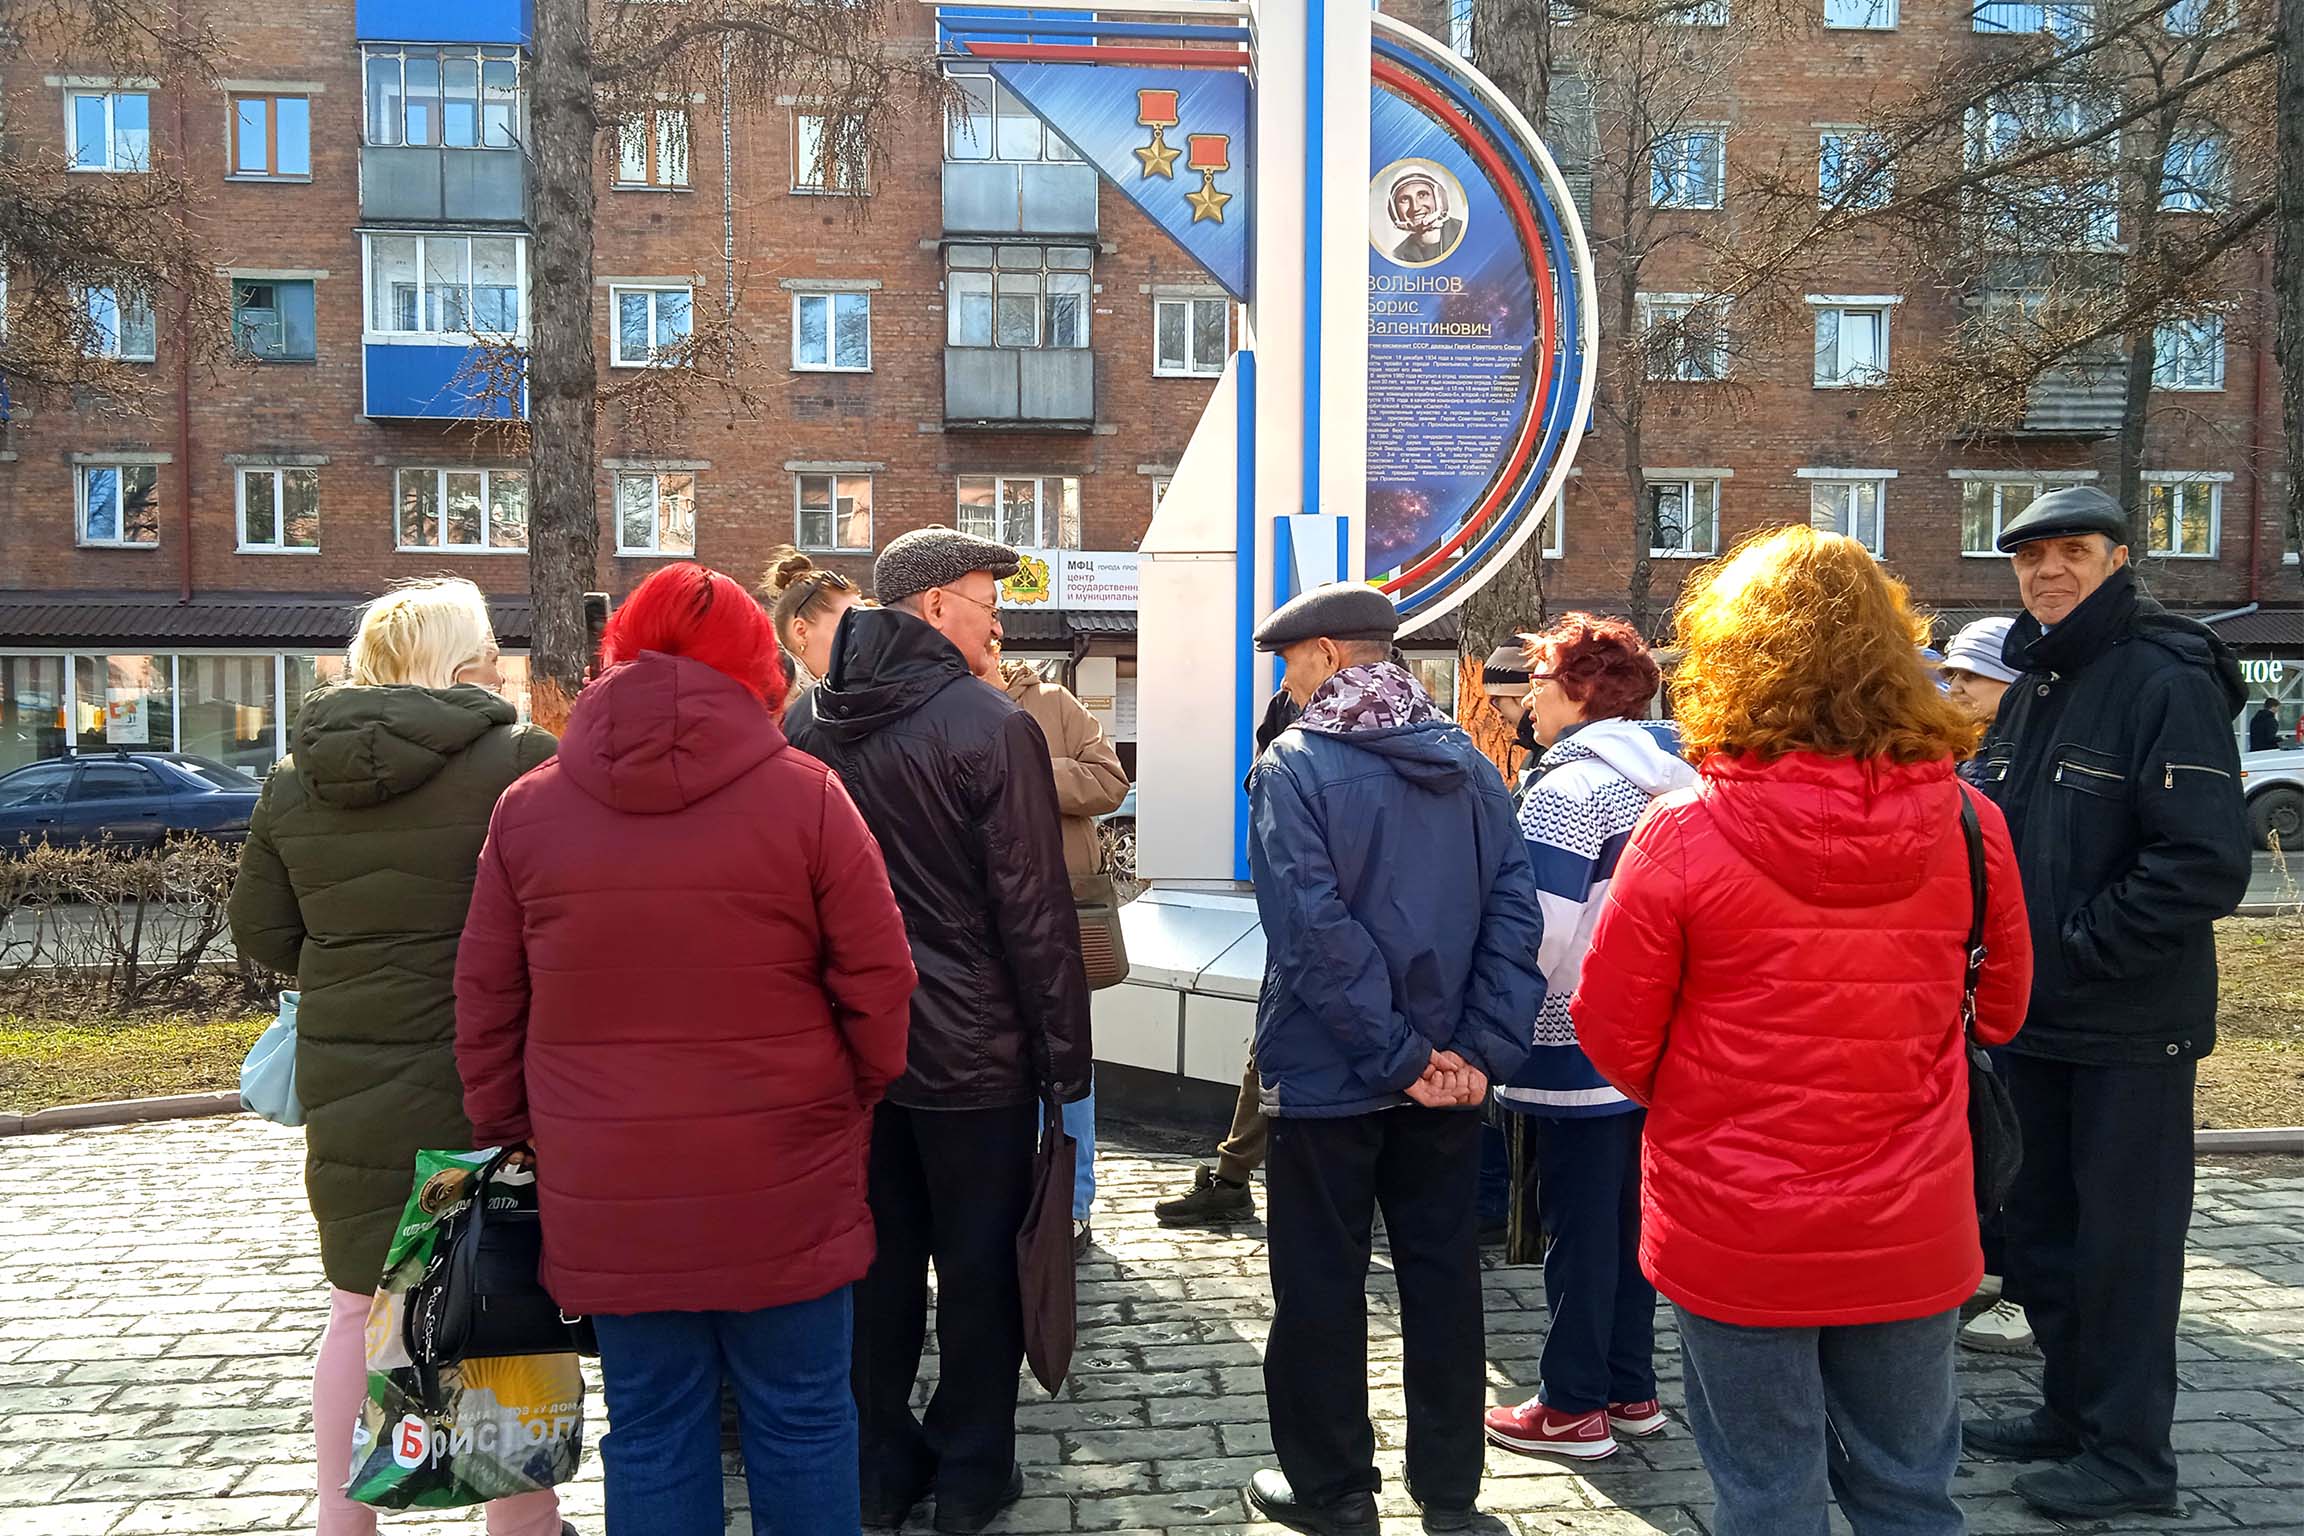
(1401, 929)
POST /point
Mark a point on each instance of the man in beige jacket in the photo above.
(1089, 783)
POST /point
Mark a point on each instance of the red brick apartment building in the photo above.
(1000, 343)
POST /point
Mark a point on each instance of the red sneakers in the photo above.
(1639, 1420)
(1535, 1430)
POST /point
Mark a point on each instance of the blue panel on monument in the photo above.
(445, 21)
(427, 381)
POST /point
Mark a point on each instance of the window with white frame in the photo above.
(1683, 518)
(1853, 170)
(652, 149)
(1017, 295)
(1022, 511)
(656, 513)
(465, 510)
(279, 509)
(1860, 15)
(2189, 354)
(992, 123)
(124, 328)
(837, 168)
(1685, 337)
(119, 505)
(447, 286)
(1850, 506)
(651, 324)
(455, 96)
(833, 511)
(2071, 20)
(1688, 168)
(1851, 344)
(2196, 175)
(1989, 503)
(832, 332)
(109, 130)
(2181, 514)
(1191, 337)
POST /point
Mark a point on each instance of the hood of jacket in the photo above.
(659, 733)
(2118, 610)
(885, 665)
(1646, 752)
(1018, 679)
(1850, 832)
(1421, 753)
(359, 746)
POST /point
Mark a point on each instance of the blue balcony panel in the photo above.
(428, 382)
(446, 21)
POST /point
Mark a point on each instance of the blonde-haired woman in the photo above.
(355, 878)
(806, 601)
(1776, 976)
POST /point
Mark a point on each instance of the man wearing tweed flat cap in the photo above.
(954, 781)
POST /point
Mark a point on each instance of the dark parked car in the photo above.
(130, 801)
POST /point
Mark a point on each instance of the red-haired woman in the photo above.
(1590, 683)
(1777, 976)
(685, 983)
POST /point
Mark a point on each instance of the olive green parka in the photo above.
(355, 879)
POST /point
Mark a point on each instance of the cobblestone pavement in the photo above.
(160, 1300)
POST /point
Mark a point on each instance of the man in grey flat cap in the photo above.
(2113, 758)
(954, 781)
(1401, 930)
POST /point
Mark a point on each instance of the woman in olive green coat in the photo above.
(355, 878)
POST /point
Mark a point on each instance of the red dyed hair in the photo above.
(1602, 664)
(687, 610)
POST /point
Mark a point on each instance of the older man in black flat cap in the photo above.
(1400, 930)
(954, 781)
(2113, 759)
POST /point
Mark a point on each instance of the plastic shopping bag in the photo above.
(268, 1076)
(453, 1435)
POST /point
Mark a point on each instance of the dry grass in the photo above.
(2256, 1077)
(50, 1061)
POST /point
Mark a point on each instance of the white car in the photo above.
(2273, 783)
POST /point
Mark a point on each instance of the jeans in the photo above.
(950, 1188)
(339, 1387)
(2094, 1233)
(1602, 1344)
(1788, 1419)
(789, 1365)
(1326, 1180)
(1080, 1125)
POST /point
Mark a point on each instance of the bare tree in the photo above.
(2288, 256)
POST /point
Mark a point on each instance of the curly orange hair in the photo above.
(1798, 641)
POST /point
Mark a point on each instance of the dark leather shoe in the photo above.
(1450, 1517)
(2074, 1491)
(2027, 1437)
(962, 1519)
(889, 1511)
(1352, 1515)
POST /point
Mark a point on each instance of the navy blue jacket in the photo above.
(1399, 915)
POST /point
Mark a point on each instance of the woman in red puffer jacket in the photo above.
(1777, 975)
(685, 983)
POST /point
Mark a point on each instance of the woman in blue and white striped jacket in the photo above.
(1591, 681)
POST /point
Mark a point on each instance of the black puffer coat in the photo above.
(953, 779)
(2114, 762)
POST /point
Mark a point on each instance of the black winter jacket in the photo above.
(953, 779)
(2114, 762)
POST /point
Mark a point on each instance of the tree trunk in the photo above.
(2288, 260)
(563, 369)
(2140, 223)
(1632, 410)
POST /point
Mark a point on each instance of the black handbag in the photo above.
(1997, 1140)
(481, 1298)
(1046, 1258)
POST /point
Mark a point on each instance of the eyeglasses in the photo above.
(992, 608)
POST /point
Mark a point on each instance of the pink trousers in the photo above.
(339, 1386)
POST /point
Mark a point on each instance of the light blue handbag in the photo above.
(268, 1076)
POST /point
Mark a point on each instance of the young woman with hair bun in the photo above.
(806, 601)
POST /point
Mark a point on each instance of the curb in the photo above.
(2287, 1138)
(2268, 909)
(80, 1117)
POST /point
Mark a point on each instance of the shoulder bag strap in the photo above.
(1973, 835)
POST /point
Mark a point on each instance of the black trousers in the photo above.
(2094, 1233)
(948, 1187)
(1324, 1183)
(1601, 1348)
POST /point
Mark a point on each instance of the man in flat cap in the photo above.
(2113, 758)
(1401, 930)
(954, 781)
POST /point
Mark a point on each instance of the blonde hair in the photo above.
(796, 587)
(422, 632)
